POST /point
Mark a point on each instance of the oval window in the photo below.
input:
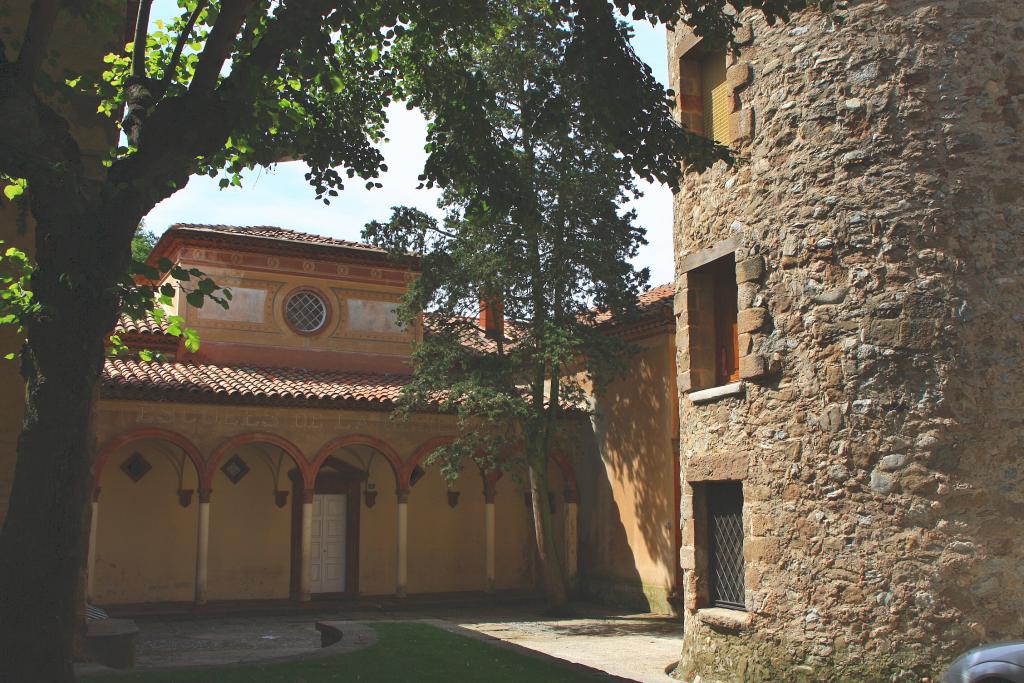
(306, 311)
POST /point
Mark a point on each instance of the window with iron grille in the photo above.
(725, 544)
(306, 311)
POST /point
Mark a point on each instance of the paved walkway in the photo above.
(633, 646)
(636, 647)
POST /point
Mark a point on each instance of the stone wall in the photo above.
(877, 435)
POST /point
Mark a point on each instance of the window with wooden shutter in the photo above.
(716, 96)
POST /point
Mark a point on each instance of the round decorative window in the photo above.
(306, 311)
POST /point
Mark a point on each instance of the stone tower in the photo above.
(850, 323)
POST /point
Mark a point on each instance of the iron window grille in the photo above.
(725, 540)
(306, 311)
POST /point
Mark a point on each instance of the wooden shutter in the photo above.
(717, 99)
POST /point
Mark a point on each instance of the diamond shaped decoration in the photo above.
(136, 466)
(235, 469)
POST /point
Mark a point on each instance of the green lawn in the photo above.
(404, 651)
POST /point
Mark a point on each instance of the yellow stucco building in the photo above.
(268, 465)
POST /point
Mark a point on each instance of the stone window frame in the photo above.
(696, 553)
(696, 374)
(686, 80)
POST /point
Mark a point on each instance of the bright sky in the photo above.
(282, 197)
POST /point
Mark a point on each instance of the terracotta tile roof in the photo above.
(127, 378)
(654, 300)
(271, 232)
(469, 331)
(657, 296)
(125, 325)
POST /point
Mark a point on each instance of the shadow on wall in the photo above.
(629, 554)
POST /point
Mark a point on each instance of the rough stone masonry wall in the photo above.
(880, 436)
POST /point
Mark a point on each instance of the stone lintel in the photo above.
(730, 465)
(712, 253)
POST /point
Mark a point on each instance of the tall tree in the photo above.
(536, 229)
(143, 242)
(228, 86)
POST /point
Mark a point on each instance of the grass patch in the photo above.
(404, 651)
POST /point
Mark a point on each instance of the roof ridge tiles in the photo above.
(274, 232)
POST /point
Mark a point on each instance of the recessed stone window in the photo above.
(306, 311)
(136, 466)
(718, 544)
(235, 469)
(705, 95)
(711, 292)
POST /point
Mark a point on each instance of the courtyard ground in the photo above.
(509, 643)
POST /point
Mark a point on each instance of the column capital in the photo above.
(96, 494)
(572, 496)
(403, 495)
(204, 495)
(489, 496)
(307, 496)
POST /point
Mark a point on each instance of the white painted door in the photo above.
(328, 549)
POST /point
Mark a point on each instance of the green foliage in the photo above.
(143, 243)
(140, 301)
(14, 187)
(534, 220)
(323, 101)
(16, 302)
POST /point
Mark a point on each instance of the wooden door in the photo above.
(329, 543)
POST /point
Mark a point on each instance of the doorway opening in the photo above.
(334, 562)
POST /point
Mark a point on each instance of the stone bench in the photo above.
(330, 632)
(111, 642)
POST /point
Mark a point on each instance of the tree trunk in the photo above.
(548, 552)
(42, 544)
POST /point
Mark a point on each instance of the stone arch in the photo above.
(428, 447)
(143, 433)
(382, 447)
(421, 452)
(284, 444)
